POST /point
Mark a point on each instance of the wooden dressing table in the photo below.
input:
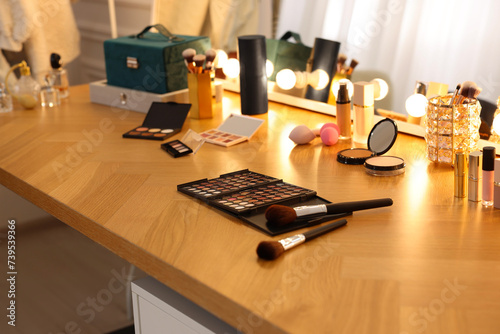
(428, 264)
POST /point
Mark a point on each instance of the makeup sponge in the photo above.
(329, 136)
(301, 134)
(330, 125)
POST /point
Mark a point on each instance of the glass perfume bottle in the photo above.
(5, 100)
(49, 96)
(26, 90)
(60, 75)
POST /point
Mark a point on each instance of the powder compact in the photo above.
(234, 130)
(380, 140)
(163, 120)
(246, 195)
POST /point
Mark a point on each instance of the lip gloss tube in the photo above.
(488, 170)
(475, 176)
(496, 184)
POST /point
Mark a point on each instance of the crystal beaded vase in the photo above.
(451, 128)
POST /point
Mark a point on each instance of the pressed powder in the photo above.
(384, 165)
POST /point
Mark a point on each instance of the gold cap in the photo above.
(461, 166)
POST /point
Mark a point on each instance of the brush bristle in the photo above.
(199, 60)
(270, 250)
(188, 54)
(210, 54)
(279, 215)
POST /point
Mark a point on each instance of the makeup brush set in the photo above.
(270, 204)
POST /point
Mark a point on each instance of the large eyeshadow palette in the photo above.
(246, 195)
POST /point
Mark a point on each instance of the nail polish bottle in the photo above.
(343, 105)
(488, 170)
(496, 185)
(475, 176)
(363, 101)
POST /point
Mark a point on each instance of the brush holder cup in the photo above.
(253, 76)
(450, 129)
(200, 95)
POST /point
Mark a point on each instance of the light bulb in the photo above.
(381, 88)
(231, 68)
(318, 79)
(286, 79)
(269, 68)
(336, 86)
(496, 124)
(220, 59)
(415, 105)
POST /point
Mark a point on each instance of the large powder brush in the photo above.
(280, 215)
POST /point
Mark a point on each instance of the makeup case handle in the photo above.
(162, 30)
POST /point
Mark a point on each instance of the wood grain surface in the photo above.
(428, 264)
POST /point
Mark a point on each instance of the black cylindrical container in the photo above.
(253, 78)
(325, 58)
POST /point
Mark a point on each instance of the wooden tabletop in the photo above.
(428, 264)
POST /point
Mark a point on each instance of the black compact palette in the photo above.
(247, 195)
(163, 120)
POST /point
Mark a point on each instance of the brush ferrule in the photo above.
(309, 210)
(292, 241)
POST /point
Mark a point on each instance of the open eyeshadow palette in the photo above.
(163, 120)
(247, 195)
(234, 130)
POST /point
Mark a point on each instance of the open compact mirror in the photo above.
(380, 140)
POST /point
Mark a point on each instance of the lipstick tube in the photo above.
(475, 176)
(496, 185)
(488, 170)
(460, 167)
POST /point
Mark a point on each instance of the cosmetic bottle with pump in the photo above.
(26, 90)
(344, 112)
(488, 176)
(363, 101)
(60, 75)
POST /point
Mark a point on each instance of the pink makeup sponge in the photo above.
(329, 136)
(301, 134)
(330, 125)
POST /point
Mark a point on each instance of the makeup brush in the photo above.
(341, 59)
(270, 250)
(353, 64)
(210, 56)
(455, 93)
(279, 215)
(188, 55)
(469, 90)
(199, 60)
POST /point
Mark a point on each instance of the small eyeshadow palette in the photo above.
(234, 130)
(176, 148)
(163, 120)
(246, 195)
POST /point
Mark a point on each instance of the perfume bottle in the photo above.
(26, 90)
(5, 100)
(60, 75)
(49, 96)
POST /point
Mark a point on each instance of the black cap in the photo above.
(488, 158)
(55, 61)
(343, 94)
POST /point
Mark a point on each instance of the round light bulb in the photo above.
(496, 124)
(415, 105)
(269, 68)
(285, 79)
(318, 79)
(336, 86)
(381, 88)
(231, 68)
(220, 59)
